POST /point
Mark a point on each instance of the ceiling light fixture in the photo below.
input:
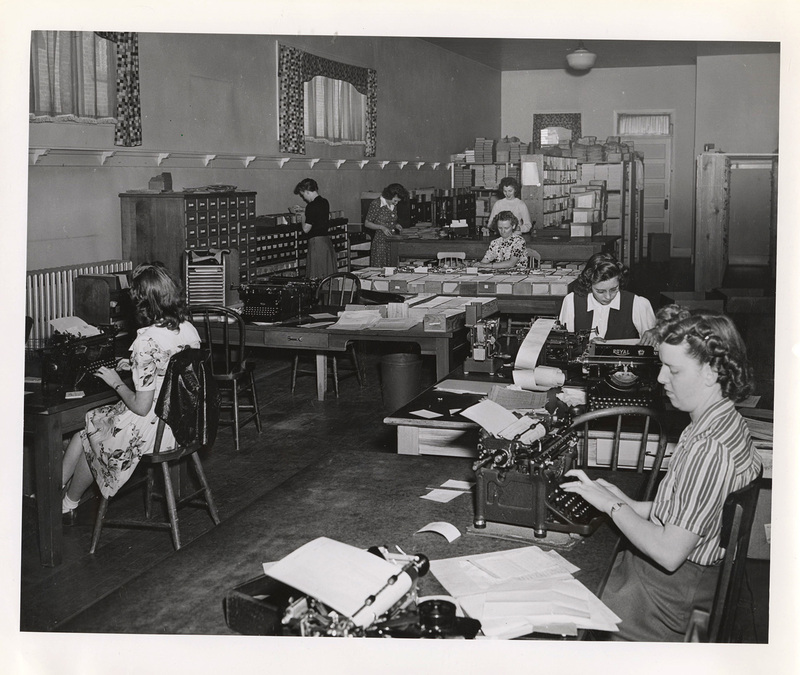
(581, 58)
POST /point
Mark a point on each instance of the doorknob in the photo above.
(666, 204)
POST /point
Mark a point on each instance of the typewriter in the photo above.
(68, 362)
(277, 298)
(519, 484)
(621, 375)
(269, 605)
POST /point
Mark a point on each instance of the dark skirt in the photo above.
(655, 605)
(379, 250)
(321, 258)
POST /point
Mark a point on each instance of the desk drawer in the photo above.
(296, 339)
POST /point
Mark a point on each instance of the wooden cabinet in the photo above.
(549, 202)
(163, 226)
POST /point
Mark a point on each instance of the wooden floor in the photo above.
(298, 430)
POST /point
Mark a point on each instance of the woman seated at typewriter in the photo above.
(509, 249)
(600, 302)
(321, 258)
(108, 449)
(673, 564)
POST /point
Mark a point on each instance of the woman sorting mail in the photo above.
(509, 249)
(673, 563)
(510, 189)
(601, 303)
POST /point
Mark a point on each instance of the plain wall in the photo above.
(217, 94)
(597, 95)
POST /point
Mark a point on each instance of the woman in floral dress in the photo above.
(382, 219)
(509, 249)
(115, 437)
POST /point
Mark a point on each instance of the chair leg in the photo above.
(98, 524)
(172, 508)
(201, 476)
(235, 390)
(335, 376)
(254, 396)
(352, 349)
(148, 498)
(294, 371)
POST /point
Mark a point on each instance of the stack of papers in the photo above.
(503, 423)
(513, 593)
(357, 320)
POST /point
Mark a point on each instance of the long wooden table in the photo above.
(577, 249)
(321, 340)
(48, 417)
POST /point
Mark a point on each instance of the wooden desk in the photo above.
(322, 340)
(577, 249)
(47, 420)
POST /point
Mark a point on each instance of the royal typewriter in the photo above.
(68, 362)
(277, 298)
(329, 589)
(619, 374)
(518, 483)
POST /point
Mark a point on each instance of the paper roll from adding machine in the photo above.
(540, 378)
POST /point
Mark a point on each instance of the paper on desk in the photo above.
(447, 530)
(73, 325)
(357, 319)
(323, 315)
(427, 414)
(464, 387)
(343, 577)
(514, 398)
(441, 496)
(399, 323)
(491, 416)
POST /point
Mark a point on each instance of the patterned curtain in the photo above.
(296, 67)
(571, 121)
(128, 131)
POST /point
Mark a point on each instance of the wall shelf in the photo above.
(133, 157)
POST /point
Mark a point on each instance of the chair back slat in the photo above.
(228, 351)
(339, 290)
(450, 258)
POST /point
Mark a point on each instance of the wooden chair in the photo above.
(534, 258)
(205, 406)
(450, 258)
(738, 513)
(334, 292)
(622, 426)
(223, 333)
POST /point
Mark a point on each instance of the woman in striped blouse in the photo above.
(673, 565)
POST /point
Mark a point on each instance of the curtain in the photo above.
(295, 68)
(571, 121)
(128, 131)
(85, 77)
(334, 112)
(643, 125)
(72, 77)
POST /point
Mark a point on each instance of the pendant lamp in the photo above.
(581, 58)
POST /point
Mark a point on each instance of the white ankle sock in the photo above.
(68, 505)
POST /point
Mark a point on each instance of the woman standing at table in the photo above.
(116, 436)
(673, 567)
(382, 219)
(510, 189)
(321, 258)
(508, 250)
(600, 302)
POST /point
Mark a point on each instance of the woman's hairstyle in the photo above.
(394, 190)
(157, 296)
(709, 338)
(306, 185)
(508, 181)
(601, 267)
(506, 216)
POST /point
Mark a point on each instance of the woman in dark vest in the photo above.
(600, 302)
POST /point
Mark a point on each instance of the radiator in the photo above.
(49, 292)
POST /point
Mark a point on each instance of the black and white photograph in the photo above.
(470, 328)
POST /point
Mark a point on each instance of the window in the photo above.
(73, 77)
(629, 124)
(333, 112)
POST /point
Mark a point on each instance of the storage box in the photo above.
(694, 300)
(614, 176)
(580, 230)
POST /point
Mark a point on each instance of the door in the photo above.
(657, 152)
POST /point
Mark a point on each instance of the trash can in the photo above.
(401, 375)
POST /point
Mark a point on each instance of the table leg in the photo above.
(442, 357)
(322, 375)
(47, 455)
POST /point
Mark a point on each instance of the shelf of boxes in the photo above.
(549, 203)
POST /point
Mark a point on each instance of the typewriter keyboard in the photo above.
(600, 402)
(261, 312)
(571, 507)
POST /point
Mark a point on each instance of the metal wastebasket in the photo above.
(401, 375)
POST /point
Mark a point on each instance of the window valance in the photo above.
(128, 130)
(295, 67)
